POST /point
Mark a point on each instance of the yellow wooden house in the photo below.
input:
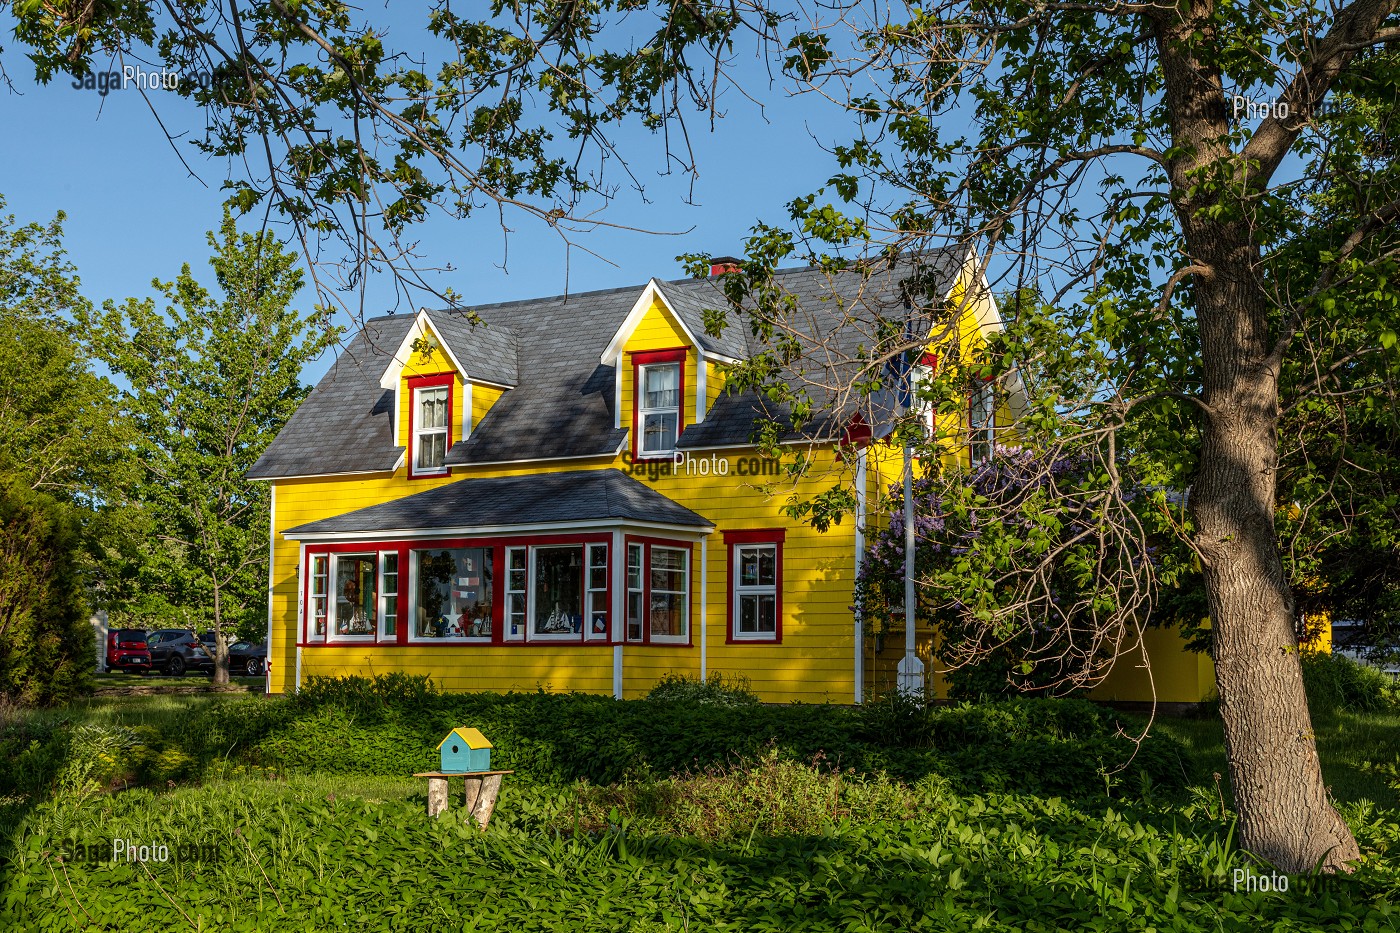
(560, 493)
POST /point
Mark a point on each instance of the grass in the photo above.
(1354, 749)
(764, 844)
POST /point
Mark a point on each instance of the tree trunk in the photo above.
(1284, 811)
(220, 648)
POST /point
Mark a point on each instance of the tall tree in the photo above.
(1147, 168)
(62, 456)
(351, 137)
(212, 377)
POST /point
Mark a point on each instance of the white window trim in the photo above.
(309, 623)
(589, 590)
(505, 611)
(640, 591)
(642, 411)
(384, 600)
(420, 431)
(413, 637)
(332, 619)
(684, 593)
(754, 590)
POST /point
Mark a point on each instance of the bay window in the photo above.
(446, 593)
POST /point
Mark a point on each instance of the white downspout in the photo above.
(297, 629)
(704, 616)
(619, 607)
(271, 579)
(860, 560)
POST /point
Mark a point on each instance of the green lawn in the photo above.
(1359, 752)
(767, 840)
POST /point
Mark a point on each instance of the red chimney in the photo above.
(722, 264)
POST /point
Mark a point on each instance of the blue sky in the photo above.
(135, 213)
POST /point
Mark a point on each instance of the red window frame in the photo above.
(775, 537)
(498, 547)
(642, 358)
(429, 382)
(647, 544)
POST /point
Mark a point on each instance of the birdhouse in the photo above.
(465, 749)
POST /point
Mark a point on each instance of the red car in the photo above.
(127, 651)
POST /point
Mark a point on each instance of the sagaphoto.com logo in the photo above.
(142, 79)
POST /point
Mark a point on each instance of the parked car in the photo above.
(247, 657)
(127, 651)
(175, 651)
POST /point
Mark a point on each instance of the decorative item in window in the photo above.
(465, 749)
(454, 593)
(356, 594)
(558, 595)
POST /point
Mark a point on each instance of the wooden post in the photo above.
(473, 791)
(483, 787)
(489, 788)
(437, 795)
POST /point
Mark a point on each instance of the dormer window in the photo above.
(432, 425)
(660, 393)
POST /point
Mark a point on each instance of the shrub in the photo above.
(1033, 745)
(896, 719)
(1336, 683)
(715, 690)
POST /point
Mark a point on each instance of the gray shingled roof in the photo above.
(346, 424)
(487, 353)
(562, 405)
(576, 496)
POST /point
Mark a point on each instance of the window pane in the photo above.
(356, 595)
(558, 593)
(432, 448)
(767, 614)
(667, 569)
(758, 566)
(662, 386)
(598, 613)
(391, 615)
(454, 593)
(659, 432)
(432, 407)
(634, 616)
(667, 614)
(634, 566)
